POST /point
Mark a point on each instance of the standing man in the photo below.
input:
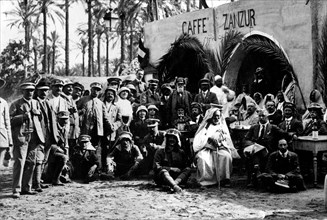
(95, 121)
(151, 96)
(74, 129)
(179, 97)
(223, 93)
(290, 123)
(139, 83)
(27, 133)
(5, 128)
(42, 154)
(114, 82)
(274, 115)
(77, 91)
(205, 97)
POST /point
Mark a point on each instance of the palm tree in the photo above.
(25, 12)
(52, 9)
(55, 42)
(82, 46)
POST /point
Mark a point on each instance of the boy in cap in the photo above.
(174, 170)
(85, 159)
(205, 97)
(126, 156)
(151, 96)
(27, 134)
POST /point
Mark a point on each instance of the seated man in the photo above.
(251, 116)
(274, 115)
(85, 160)
(290, 123)
(282, 169)
(152, 141)
(182, 123)
(170, 162)
(260, 141)
(126, 156)
(59, 149)
(315, 119)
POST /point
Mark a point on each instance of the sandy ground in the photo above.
(141, 199)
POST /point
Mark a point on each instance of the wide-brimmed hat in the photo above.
(314, 105)
(68, 82)
(27, 85)
(152, 122)
(2, 83)
(141, 108)
(153, 81)
(126, 134)
(122, 89)
(152, 107)
(114, 79)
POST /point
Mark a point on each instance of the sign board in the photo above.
(159, 35)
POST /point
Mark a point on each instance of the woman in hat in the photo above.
(213, 149)
(125, 106)
(139, 125)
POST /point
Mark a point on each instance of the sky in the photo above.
(77, 17)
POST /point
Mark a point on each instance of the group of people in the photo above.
(132, 128)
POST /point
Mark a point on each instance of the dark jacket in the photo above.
(176, 100)
(294, 127)
(166, 160)
(279, 165)
(205, 101)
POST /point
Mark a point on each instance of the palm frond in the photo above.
(185, 58)
(321, 79)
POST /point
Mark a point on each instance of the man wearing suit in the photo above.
(290, 123)
(151, 96)
(179, 97)
(260, 141)
(74, 129)
(283, 168)
(205, 97)
(95, 120)
(274, 115)
(56, 103)
(42, 88)
(5, 129)
(25, 114)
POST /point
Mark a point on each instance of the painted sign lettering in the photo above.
(196, 26)
(240, 19)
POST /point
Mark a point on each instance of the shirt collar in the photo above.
(283, 155)
(289, 119)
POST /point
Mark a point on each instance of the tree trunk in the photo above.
(67, 37)
(48, 62)
(35, 59)
(53, 60)
(27, 38)
(99, 55)
(122, 46)
(188, 9)
(83, 63)
(131, 45)
(107, 53)
(45, 54)
(90, 33)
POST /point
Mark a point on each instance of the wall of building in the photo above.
(288, 23)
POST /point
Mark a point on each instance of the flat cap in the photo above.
(63, 114)
(68, 82)
(43, 84)
(96, 85)
(114, 79)
(79, 86)
(204, 81)
(180, 80)
(27, 85)
(57, 82)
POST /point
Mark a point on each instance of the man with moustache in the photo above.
(25, 114)
(205, 97)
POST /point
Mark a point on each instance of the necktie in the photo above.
(287, 125)
(262, 131)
